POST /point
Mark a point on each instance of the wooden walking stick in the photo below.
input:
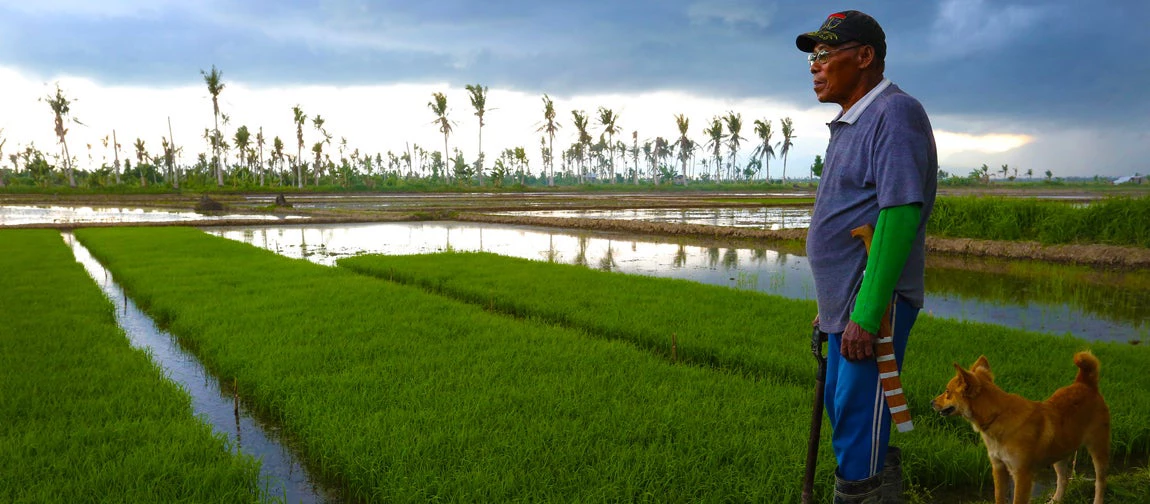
(884, 354)
(817, 339)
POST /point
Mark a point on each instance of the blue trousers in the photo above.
(856, 406)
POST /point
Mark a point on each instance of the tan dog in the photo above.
(1022, 436)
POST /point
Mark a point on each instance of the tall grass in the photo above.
(761, 335)
(404, 396)
(83, 416)
(1113, 221)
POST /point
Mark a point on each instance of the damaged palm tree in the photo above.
(215, 83)
(61, 106)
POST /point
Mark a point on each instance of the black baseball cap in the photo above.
(843, 27)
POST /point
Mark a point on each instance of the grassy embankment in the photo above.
(83, 416)
(766, 336)
(1110, 221)
(399, 395)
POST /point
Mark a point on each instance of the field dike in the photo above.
(405, 396)
(757, 335)
(84, 416)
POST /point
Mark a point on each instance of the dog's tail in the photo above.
(1087, 369)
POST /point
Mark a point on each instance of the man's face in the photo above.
(835, 79)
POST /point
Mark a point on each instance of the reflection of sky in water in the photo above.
(11, 215)
(280, 468)
(762, 270)
(773, 218)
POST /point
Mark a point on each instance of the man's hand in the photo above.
(858, 344)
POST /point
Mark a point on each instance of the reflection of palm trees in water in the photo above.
(712, 256)
(731, 259)
(581, 257)
(680, 256)
(607, 263)
(552, 254)
(759, 255)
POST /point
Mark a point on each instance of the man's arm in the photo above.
(893, 239)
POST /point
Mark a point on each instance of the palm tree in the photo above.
(215, 83)
(260, 143)
(61, 105)
(116, 151)
(685, 144)
(734, 126)
(635, 156)
(242, 140)
(141, 153)
(788, 135)
(438, 107)
(479, 101)
(764, 151)
(715, 136)
(550, 127)
(608, 120)
(278, 156)
(299, 119)
(584, 141)
(318, 121)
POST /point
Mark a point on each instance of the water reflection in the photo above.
(14, 215)
(1047, 298)
(216, 403)
(773, 218)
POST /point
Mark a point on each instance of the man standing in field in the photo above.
(881, 169)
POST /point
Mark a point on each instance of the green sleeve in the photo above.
(894, 236)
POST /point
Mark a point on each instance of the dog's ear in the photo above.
(968, 384)
(982, 368)
(981, 363)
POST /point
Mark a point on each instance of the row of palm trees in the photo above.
(584, 159)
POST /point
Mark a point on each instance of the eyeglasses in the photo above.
(823, 55)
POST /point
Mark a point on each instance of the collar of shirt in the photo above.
(853, 114)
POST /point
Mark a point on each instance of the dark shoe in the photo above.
(892, 477)
(867, 491)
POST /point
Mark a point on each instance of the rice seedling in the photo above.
(84, 416)
(762, 335)
(400, 395)
(1113, 221)
(404, 395)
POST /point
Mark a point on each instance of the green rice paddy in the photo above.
(767, 336)
(480, 378)
(83, 416)
(1111, 221)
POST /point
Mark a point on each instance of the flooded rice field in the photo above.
(16, 215)
(1094, 304)
(216, 403)
(773, 218)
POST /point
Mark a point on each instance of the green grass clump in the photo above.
(1111, 221)
(83, 416)
(768, 336)
(398, 395)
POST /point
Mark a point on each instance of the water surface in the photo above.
(280, 470)
(1091, 304)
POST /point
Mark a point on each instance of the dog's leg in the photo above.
(1023, 484)
(1001, 480)
(1063, 472)
(1099, 448)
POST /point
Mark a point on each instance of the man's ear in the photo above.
(866, 57)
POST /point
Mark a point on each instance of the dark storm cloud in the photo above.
(1059, 61)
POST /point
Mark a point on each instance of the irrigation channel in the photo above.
(281, 472)
(1089, 303)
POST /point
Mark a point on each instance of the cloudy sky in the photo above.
(1058, 85)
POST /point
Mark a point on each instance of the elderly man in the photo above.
(881, 169)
